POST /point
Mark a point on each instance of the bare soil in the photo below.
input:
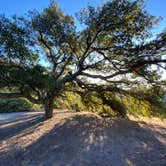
(82, 139)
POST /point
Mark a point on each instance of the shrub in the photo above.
(145, 102)
(16, 105)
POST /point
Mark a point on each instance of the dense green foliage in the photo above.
(16, 105)
(146, 103)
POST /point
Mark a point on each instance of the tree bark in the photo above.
(48, 106)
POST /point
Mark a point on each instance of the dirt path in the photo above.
(10, 117)
(83, 139)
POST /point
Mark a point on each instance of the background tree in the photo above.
(41, 56)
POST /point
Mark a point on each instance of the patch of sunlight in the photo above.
(129, 162)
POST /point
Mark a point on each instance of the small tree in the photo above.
(42, 54)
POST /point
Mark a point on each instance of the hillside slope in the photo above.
(82, 139)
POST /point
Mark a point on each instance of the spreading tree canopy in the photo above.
(44, 53)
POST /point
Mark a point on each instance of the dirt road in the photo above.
(9, 117)
(82, 139)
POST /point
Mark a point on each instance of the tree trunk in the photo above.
(48, 106)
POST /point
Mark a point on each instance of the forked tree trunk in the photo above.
(48, 106)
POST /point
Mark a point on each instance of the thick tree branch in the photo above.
(105, 77)
(11, 95)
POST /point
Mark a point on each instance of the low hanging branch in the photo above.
(11, 95)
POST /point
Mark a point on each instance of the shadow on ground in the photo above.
(15, 127)
(86, 140)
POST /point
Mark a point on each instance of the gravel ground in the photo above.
(82, 139)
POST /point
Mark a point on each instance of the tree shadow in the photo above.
(85, 140)
(13, 128)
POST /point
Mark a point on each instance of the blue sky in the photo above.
(19, 7)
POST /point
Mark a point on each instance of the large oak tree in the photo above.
(43, 53)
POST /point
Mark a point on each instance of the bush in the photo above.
(150, 106)
(136, 107)
(16, 105)
(89, 102)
